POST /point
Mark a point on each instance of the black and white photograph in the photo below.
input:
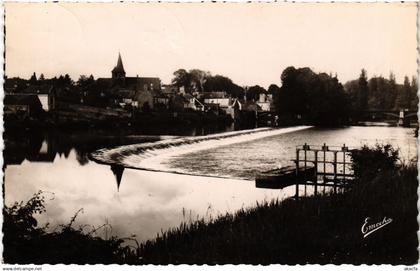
(210, 134)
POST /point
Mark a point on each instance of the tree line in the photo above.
(379, 93)
(316, 97)
(304, 94)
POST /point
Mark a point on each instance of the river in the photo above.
(215, 169)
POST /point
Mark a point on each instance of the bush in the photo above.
(27, 243)
(368, 162)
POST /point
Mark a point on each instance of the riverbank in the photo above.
(140, 122)
(321, 229)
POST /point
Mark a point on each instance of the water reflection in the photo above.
(43, 145)
(118, 172)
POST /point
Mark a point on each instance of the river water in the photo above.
(216, 172)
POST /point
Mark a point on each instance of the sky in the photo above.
(251, 43)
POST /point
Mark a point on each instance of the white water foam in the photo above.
(153, 156)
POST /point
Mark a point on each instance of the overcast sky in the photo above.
(250, 43)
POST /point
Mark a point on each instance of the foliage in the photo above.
(319, 98)
(379, 93)
(253, 93)
(368, 162)
(198, 80)
(193, 80)
(27, 243)
(222, 83)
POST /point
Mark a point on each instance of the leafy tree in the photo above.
(253, 93)
(393, 91)
(273, 89)
(404, 95)
(67, 80)
(222, 83)
(198, 78)
(182, 79)
(292, 96)
(85, 81)
(414, 95)
(319, 98)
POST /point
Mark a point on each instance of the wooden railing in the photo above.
(332, 165)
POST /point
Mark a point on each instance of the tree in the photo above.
(182, 79)
(414, 95)
(292, 95)
(319, 98)
(33, 78)
(222, 83)
(67, 80)
(404, 95)
(393, 91)
(198, 78)
(273, 89)
(41, 77)
(85, 81)
(363, 91)
(380, 96)
(253, 93)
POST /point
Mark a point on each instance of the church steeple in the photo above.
(118, 71)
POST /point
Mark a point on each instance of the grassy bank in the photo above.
(322, 229)
(318, 229)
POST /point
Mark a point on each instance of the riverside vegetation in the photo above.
(317, 229)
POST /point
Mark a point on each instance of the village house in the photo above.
(265, 102)
(160, 100)
(227, 105)
(170, 90)
(216, 97)
(44, 92)
(192, 103)
(233, 109)
(22, 106)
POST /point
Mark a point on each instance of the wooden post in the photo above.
(344, 149)
(316, 163)
(316, 172)
(335, 172)
(304, 175)
(324, 148)
(297, 173)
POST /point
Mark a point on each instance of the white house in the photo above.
(265, 101)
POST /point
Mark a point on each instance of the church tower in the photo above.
(118, 71)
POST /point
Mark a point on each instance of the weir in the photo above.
(152, 156)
